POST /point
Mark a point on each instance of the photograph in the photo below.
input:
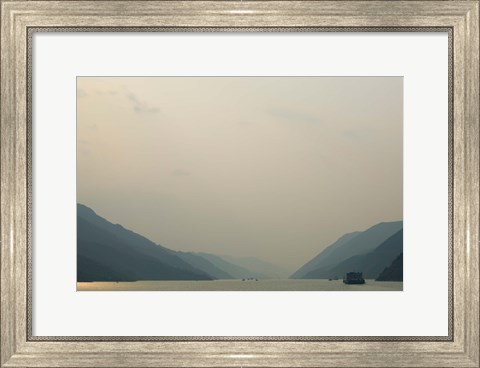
(235, 183)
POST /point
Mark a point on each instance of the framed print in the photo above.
(251, 184)
(291, 183)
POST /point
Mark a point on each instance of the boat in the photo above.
(353, 278)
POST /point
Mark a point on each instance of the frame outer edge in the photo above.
(8, 185)
(13, 196)
(472, 132)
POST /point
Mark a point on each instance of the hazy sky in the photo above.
(271, 167)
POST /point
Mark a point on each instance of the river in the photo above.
(239, 285)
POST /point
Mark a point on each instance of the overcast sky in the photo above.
(271, 167)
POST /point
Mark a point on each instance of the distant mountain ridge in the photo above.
(265, 269)
(110, 252)
(370, 264)
(322, 256)
(369, 252)
(205, 265)
(237, 272)
(228, 267)
(394, 272)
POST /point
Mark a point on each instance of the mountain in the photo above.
(394, 272)
(236, 271)
(204, 265)
(349, 245)
(259, 266)
(317, 261)
(109, 252)
(371, 263)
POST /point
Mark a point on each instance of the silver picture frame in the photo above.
(20, 20)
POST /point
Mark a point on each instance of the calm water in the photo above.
(239, 285)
